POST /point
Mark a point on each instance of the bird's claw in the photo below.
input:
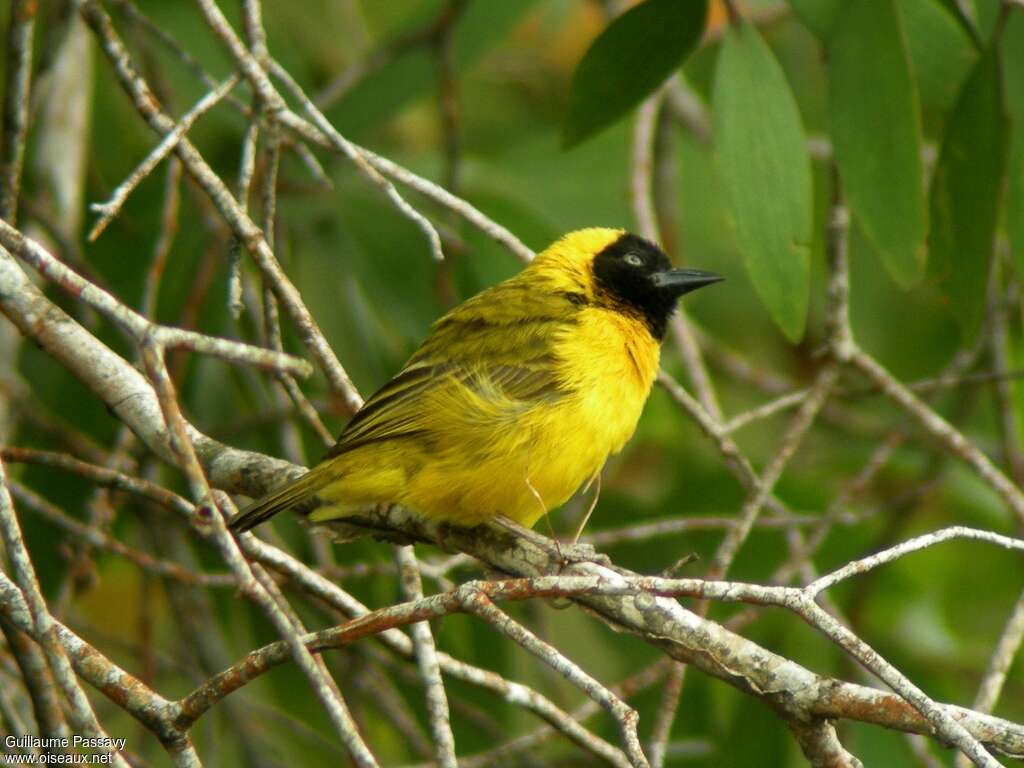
(569, 554)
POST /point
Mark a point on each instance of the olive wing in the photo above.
(484, 364)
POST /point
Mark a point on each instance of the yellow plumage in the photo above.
(515, 399)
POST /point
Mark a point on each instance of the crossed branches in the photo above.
(50, 659)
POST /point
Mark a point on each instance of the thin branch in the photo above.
(105, 541)
(772, 407)
(426, 660)
(999, 664)
(109, 210)
(945, 433)
(199, 701)
(1002, 658)
(625, 716)
(121, 387)
(137, 326)
(247, 232)
(599, 585)
(150, 709)
(439, 195)
(28, 656)
(641, 184)
(421, 36)
(44, 628)
(31, 663)
(803, 420)
(246, 170)
(271, 320)
(208, 512)
(625, 689)
(273, 101)
(644, 211)
(684, 635)
(821, 746)
(866, 564)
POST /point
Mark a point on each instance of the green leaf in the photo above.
(941, 52)
(1015, 199)
(627, 61)
(876, 133)
(953, 8)
(761, 151)
(819, 16)
(942, 43)
(966, 189)
(1013, 70)
(412, 73)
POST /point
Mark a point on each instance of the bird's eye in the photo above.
(633, 260)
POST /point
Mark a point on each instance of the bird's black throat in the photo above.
(630, 286)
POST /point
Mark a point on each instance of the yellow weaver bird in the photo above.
(515, 399)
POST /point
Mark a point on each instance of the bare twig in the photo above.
(105, 541)
(43, 626)
(112, 207)
(273, 101)
(912, 545)
(216, 688)
(821, 745)
(208, 512)
(247, 167)
(426, 660)
(150, 709)
(243, 226)
(734, 537)
(945, 433)
(599, 585)
(137, 326)
(644, 211)
(28, 656)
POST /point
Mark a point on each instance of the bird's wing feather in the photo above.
(483, 365)
(489, 359)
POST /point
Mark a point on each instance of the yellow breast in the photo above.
(609, 360)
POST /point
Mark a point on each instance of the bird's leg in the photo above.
(544, 514)
(590, 509)
(573, 552)
(585, 553)
(582, 553)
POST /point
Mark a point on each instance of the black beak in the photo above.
(680, 281)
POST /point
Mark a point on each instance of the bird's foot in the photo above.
(569, 554)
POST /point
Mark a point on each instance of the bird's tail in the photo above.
(296, 493)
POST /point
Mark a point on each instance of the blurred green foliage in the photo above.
(630, 59)
(366, 274)
(765, 169)
(872, 86)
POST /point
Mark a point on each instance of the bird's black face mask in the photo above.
(636, 273)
